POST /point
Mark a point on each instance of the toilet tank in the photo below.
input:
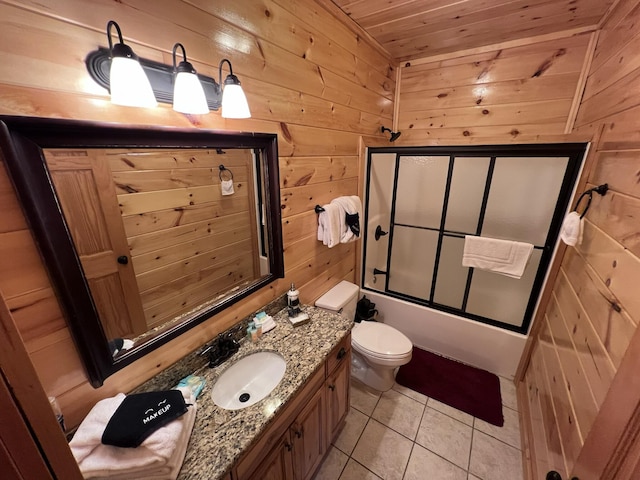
(343, 298)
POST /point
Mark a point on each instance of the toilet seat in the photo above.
(380, 341)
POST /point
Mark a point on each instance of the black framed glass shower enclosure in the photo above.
(421, 202)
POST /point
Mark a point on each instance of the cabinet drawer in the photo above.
(339, 354)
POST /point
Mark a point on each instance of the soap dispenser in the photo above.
(296, 315)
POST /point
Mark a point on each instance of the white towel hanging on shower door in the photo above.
(495, 255)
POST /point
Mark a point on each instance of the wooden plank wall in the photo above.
(508, 94)
(595, 308)
(186, 239)
(308, 78)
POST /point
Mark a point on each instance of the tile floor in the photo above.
(404, 435)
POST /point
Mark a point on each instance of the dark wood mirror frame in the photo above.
(22, 140)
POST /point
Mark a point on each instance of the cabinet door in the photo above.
(337, 387)
(308, 433)
(278, 464)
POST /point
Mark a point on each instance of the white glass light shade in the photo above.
(129, 84)
(234, 102)
(188, 95)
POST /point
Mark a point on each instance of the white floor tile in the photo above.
(418, 397)
(363, 398)
(508, 433)
(508, 393)
(399, 412)
(491, 458)
(354, 425)
(355, 471)
(383, 451)
(333, 464)
(450, 411)
(424, 464)
(445, 436)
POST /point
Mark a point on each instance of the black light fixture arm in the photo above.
(184, 55)
(110, 24)
(231, 78)
(120, 49)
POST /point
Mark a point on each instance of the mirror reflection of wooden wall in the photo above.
(184, 241)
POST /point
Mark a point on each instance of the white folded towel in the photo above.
(329, 224)
(499, 256)
(159, 456)
(227, 187)
(572, 227)
(351, 205)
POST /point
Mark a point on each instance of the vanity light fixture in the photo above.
(188, 95)
(128, 83)
(234, 101)
(103, 66)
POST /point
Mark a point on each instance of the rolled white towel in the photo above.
(348, 205)
(572, 227)
(329, 225)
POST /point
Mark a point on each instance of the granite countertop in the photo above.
(221, 436)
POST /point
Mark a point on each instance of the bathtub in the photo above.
(484, 346)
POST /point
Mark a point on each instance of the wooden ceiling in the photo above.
(410, 29)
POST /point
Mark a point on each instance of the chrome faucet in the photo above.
(223, 347)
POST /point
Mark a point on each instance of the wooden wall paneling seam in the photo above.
(406, 18)
(581, 398)
(617, 11)
(582, 82)
(617, 32)
(615, 266)
(329, 88)
(360, 32)
(539, 20)
(301, 37)
(23, 380)
(473, 22)
(545, 295)
(556, 449)
(614, 69)
(149, 20)
(617, 428)
(528, 451)
(502, 45)
(570, 435)
(396, 100)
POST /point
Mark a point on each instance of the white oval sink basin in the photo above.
(248, 380)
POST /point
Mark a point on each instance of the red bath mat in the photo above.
(469, 389)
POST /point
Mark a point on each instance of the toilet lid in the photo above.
(380, 339)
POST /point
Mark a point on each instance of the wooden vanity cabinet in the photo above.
(295, 443)
(337, 391)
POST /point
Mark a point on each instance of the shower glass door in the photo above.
(423, 201)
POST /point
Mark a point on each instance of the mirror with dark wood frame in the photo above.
(146, 232)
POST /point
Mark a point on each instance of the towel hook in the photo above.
(224, 169)
(318, 209)
(600, 189)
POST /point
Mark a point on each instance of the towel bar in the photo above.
(600, 189)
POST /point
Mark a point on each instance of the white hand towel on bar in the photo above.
(572, 227)
(348, 205)
(159, 456)
(329, 225)
(495, 255)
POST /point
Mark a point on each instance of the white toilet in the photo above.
(378, 350)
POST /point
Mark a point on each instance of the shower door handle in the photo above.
(378, 272)
(379, 233)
